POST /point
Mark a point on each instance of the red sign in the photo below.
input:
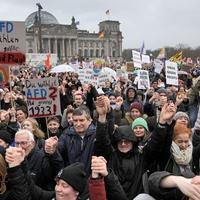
(12, 58)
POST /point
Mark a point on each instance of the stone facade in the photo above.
(68, 41)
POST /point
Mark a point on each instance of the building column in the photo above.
(56, 47)
(63, 48)
(49, 44)
(70, 48)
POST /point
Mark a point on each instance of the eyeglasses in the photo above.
(123, 141)
(23, 143)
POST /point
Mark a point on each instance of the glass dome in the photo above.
(46, 18)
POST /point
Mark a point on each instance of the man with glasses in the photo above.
(44, 163)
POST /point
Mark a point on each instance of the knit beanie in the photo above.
(181, 129)
(5, 136)
(140, 122)
(180, 114)
(137, 106)
(75, 176)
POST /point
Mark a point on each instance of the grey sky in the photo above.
(159, 23)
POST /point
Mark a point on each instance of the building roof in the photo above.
(46, 18)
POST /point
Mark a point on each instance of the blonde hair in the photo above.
(3, 173)
(36, 130)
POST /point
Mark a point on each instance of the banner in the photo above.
(171, 72)
(136, 59)
(43, 99)
(12, 42)
(143, 79)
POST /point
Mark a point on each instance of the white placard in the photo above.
(145, 59)
(171, 71)
(136, 59)
(158, 64)
(43, 97)
(12, 42)
(143, 79)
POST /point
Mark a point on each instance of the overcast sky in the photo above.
(157, 22)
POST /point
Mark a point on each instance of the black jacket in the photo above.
(130, 167)
(44, 167)
(16, 187)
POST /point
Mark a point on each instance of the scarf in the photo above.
(182, 157)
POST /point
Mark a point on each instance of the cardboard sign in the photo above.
(136, 59)
(171, 72)
(43, 97)
(129, 67)
(12, 42)
(143, 79)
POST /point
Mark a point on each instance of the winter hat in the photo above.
(140, 122)
(75, 176)
(5, 136)
(181, 129)
(181, 114)
(162, 90)
(137, 106)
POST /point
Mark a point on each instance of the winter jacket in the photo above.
(16, 187)
(44, 167)
(74, 148)
(162, 193)
(129, 167)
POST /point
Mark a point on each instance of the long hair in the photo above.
(36, 130)
(3, 173)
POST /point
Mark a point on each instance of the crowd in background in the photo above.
(114, 142)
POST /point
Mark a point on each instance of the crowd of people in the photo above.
(110, 143)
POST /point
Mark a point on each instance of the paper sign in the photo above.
(171, 72)
(136, 59)
(143, 79)
(145, 59)
(43, 97)
(158, 65)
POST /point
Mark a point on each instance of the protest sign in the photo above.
(145, 59)
(158, 65)
(129, 67)
(136, 59)
(43, 97)
(171, 72)
(143, 79)
(12, 42)
(4, 75)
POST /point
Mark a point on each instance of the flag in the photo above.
(177, 57)
(142, 49)
(47, 62)
(101, 35)
(161, 54)
(107, 12)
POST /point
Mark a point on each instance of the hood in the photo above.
(127, 89)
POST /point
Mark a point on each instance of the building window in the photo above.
(80, 52)
(114, 53)
(91, 53)
(97, 53)
(102, 53)
(85, 53)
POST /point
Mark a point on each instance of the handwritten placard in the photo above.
(43, 97)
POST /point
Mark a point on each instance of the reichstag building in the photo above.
(68, 41)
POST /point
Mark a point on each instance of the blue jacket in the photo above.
(74, 148)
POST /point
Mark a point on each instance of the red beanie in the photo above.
(137, 106)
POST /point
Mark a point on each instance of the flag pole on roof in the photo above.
(108, 14)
